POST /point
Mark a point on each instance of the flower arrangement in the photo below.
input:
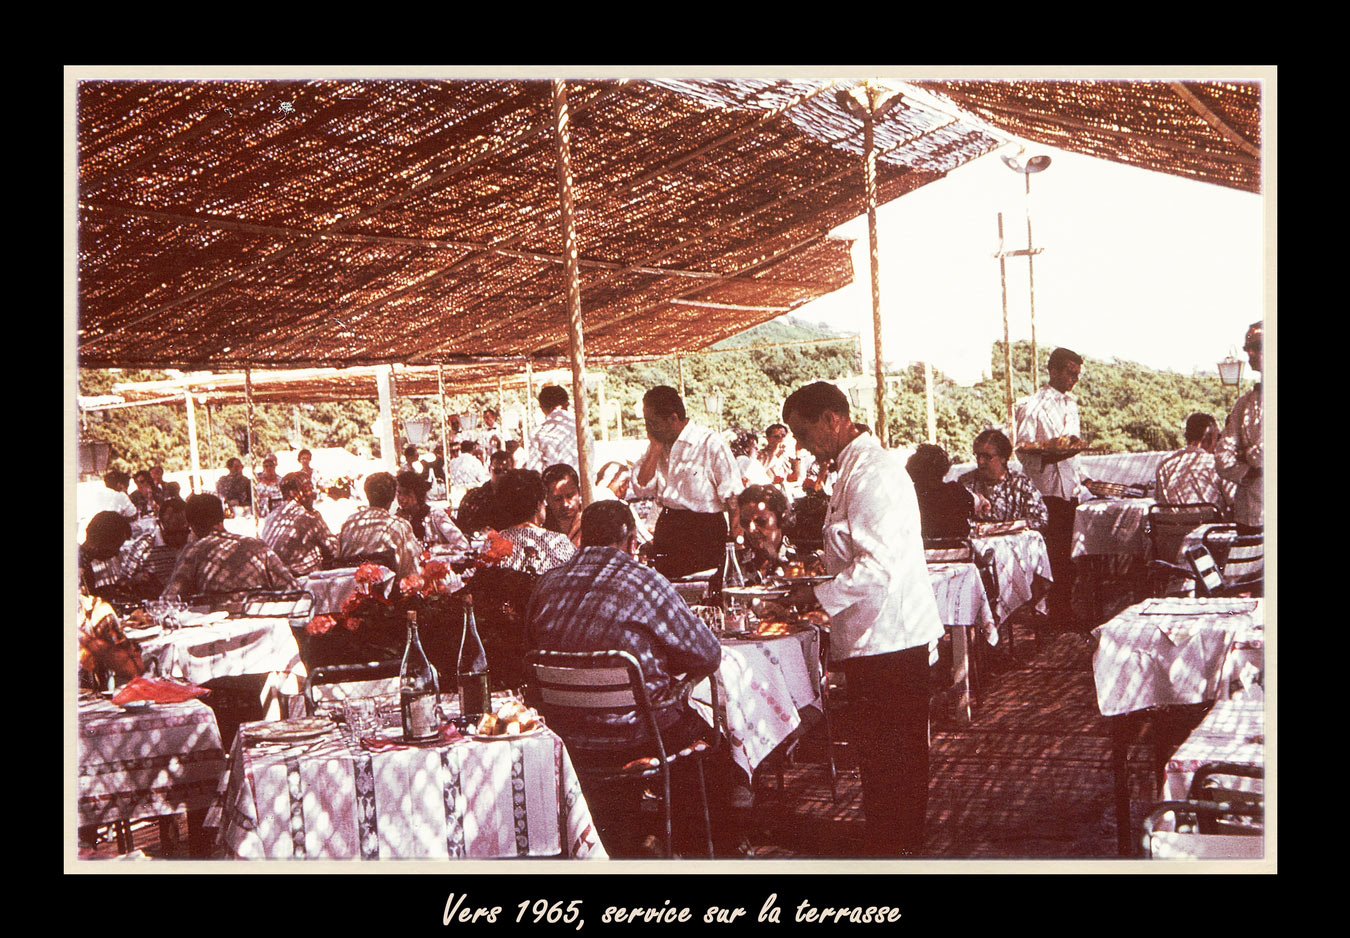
(341, 487)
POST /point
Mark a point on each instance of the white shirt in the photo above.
(1039, 419)
(1241, 450)
(1188, 476)
(881, 598)
(605, 494)
(466, 469)
(106, 499)
(555, 441)
(698, 473)
(753, 471)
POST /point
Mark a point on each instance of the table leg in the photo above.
(961, 673)
(1123, 731)
(199, 845)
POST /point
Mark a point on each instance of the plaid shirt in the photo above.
(222, 562)
(1012, 498)
(554, 442)
(300, 537)
(372, 530)
(146, 561)
(1188, 476)
(549, 548)
(603, 599)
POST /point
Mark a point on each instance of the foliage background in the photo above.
(1125, 407)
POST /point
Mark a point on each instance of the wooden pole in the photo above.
(575, 333)
(679, 373)
(870, 186)
(928, 401)
(195, 473)
(1007, 338)
(1031, 283)
(248, 429)
(445, 424)
(529, 406)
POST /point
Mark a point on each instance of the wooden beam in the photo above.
(1214, 120)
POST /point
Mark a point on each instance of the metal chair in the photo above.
(575, 683)
(332, 684)
(1187, 838)
(1241, 574)
(1166, 526)
(1220, 782)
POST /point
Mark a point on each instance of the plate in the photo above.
(498, 738)
(135, 706)
(755, 592)
(808, 580)
(285, 731)
(141, 635)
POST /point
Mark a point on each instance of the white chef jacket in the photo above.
(1241, 449)
(881, 598)
(698, 473)
(1039, 419)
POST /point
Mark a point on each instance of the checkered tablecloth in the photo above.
(160, 761)
(1111, 526)
(1144, 660)
(331, 799)
(1233, 731)
(763, 684)
(1021, 566)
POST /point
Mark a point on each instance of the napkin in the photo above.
(448, 734)
(158, 690)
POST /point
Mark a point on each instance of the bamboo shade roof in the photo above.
(1205, 130)
(317, 223)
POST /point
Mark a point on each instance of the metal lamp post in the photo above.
(712, 405)
(1035, 164)
(1230, 373)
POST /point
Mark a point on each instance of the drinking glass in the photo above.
(362, 717)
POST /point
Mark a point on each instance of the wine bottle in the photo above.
(418, 689)
(733, 607)
(475, 698)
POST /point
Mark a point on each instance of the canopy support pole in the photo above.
(445, 424)
(1031, 284)
(248, 429)
(928, 401)
(195, 471)
(575, 332)
(383, 381)
(529, 406)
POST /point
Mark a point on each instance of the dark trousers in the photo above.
(686, 542)
(616, 807)
(886, 724)
(1058, 536)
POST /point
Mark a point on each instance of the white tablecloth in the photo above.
(329, 799)
(331, 587)
(1103, 526)
(1144, 661)
(1233, 731)
(1125, 468)
(962, 604)
(763, 683)
(160, 761)
(230, 648)
(1020, 560)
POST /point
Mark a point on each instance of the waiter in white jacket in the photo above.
(883, 614)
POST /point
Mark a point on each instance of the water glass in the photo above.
(362, 717)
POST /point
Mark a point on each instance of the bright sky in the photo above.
(1136, 265)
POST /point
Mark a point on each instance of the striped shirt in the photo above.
(1040, 418)
(373, 530)
(1189, 476)
(603, 599)
(554, 442)
(300, 537)
(227, 563)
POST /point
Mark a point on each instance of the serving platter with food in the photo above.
(1069, 445)
(511, 720)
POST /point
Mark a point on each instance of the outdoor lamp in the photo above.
(417, 429)
(1230, 371)
(94, 456)
(858, 397)
(468, 422)
(712, 402)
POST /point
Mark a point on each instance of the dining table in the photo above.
(330, 588)
(1021, 568)
(1233, 732)
(319, 793)
(1161, 663)
(963, 607)
(148, 761)
(216, 644)
(1111, 527)
(764, 684)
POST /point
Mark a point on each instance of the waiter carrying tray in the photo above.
(690, 470)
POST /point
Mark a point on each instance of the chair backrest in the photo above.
(161, 561)
(947, 550)
(296, 604)
(332, 684)
(1208, 579)
(609, 680)
(1246, 561)
(1167, 526)
(1185, 841)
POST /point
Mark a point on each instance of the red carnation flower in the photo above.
(320, 625)
(369, 573)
